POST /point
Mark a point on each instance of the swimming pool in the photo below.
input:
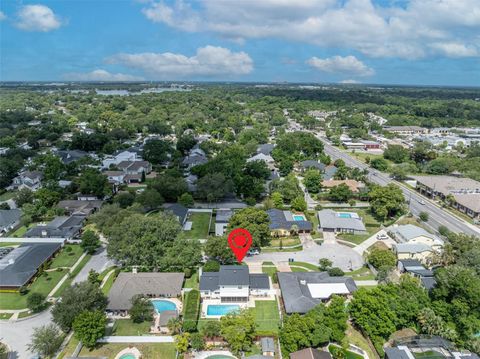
(163, 305)
(128, 356)
(297, 217)
(344, 215)
(219, 356)
(222, 309)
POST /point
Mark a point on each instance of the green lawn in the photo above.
(6, 196)
(5, 316)
(266, 316)
(268, 263)
(363, 273)
(270, 250)
(108, 284)
(65, 258)
(356, 338)
(202, 322)
(200, 223)
(306, 265)
(298, 269)
(148, 350)
(127, 327)
(191, 282)
(371, 224)
(347, 353)
(285, 242)
(68, 282)
(9, 244)
(42, 284)
(269, 270)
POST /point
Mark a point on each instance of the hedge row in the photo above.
(191, 310)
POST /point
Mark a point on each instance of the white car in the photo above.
(421, 202)
(382, 236)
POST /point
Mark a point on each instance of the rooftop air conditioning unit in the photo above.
(303, 282)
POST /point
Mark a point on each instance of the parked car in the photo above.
(382, 236)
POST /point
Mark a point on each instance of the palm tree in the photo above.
(174, 325)
(294, 229)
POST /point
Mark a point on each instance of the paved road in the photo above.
(98, 262)
(17, 334)
(437, 215)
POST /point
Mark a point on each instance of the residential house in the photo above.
(268, 346)
(191, 182)
(266, 148)
(343, 222)
(9, 219)
(134, 170)
(302, 291)
(65, 227)
(19, 266)
(148, 284)
(234, 284)
(115, 177)
(285, 223)
(121, 156)
(31, 180)
(76, 207)
(329, 172)
(413, 234)
(196, 157)
(419, 251)
(464, 193)
(310, 353)
(416, 269)
(308, 164)
(179, 211)
(269, 161)
(355, 186)
(221, 220)
(69, 156)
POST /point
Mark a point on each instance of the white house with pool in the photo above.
(163, 289)
(232, 288)
(346, 222)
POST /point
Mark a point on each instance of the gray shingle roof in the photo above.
(209, 281)
(69, 156)
(223, 215)
(21, 264)
(284, 220)
(177, 210)
(313, 164)
(412, 248)
(329, 172)
(259, 281)
(310, 353)
(9, 217)
(408, 232)
(330, 219)
(128, 285)
(296, 294)
(267, 344)
(265, 148)
(60, 227)
(234, 275)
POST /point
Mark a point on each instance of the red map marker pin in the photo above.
(240, 241)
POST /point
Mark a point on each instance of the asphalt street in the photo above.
(417, 202)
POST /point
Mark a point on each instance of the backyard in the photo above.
(148, 350)
(123, 327)
(371, 224)
(266, 316)
(68, 256)
(191, 282)
(200, 226)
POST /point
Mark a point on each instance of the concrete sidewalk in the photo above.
(137, 339)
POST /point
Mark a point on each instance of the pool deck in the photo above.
(207, 354)
(133, 351)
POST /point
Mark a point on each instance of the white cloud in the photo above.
(349, 82)
(208, 61)
(37, 18)
(344, 65)
(2, 16)
(100, 75)
(406, 31)
(454, 49)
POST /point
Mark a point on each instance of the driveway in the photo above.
(98, 262)
(342, 256)
(362, 247)
(17, 334)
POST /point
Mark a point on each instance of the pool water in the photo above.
(222, 309)
(219, 356)
(298, 218)
(344, 215)
(128, 356)
(163, 305)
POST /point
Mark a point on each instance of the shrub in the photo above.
(335, 272)
(424, 216)
(36, 302)
(23, 290)
(382, 258)
(191, 311)
(211, 266)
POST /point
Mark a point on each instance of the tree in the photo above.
(213, 187)
(432, 324)
(340, 193)
(174, 325)
(185, 143)
(90, 241)
(211, 266)
(217, 248)
(94, 277)
(93, 182)
(46, 340)
(89, 327)
(396, 153)
(325, 264)
(124, 199)
(382, 257)
(23, 196)
(257, 169)
(150, 199)
(141, 310)
(170, 185)
(443, 230)
(312, 180)
(181, 342)
(386, 202)
(211, 329)
(277, 199)
(335, 272)
(238, 330)
(424, 216)
(255, 221)
(36, 302)
(80, 297)
(379, 164)
(156, 151)
(186, 199)
(335, 318)
(299, 204)
(197, 342)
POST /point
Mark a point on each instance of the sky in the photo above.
(404, 42)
